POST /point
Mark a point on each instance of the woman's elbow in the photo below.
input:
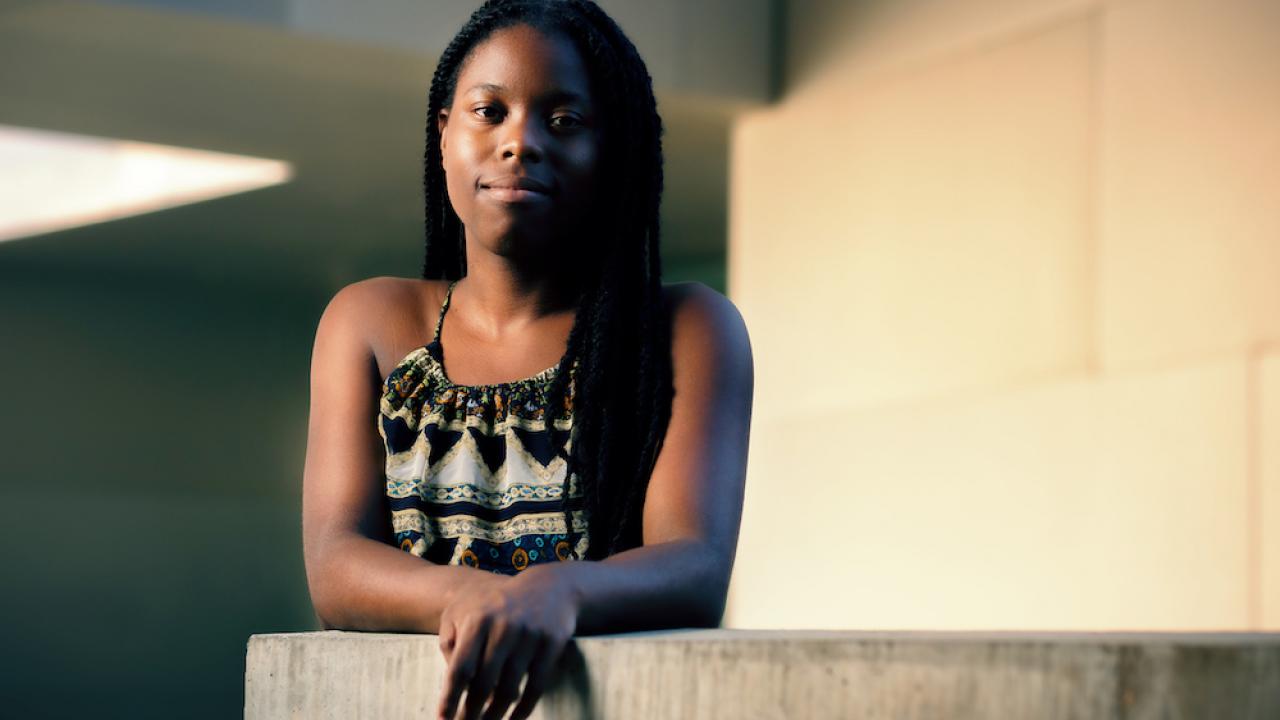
(710, 612)
(324, 608)
(712, 598)
(322, 588)
(330, 611)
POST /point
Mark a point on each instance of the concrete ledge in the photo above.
(795, 674)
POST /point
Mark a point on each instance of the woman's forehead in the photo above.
(522, 60)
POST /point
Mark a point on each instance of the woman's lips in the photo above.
(514, 195)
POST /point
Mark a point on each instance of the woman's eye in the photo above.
(565, 122)
(481, 110)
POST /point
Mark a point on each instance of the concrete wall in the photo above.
(1012, 274)
(736, 674)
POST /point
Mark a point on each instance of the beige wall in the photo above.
(1012, 276)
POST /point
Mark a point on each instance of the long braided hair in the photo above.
(621, 336)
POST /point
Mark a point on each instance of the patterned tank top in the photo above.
(473, 474)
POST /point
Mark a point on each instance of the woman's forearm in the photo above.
(666, 585)
(358, 583)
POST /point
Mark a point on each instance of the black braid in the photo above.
(619, 350)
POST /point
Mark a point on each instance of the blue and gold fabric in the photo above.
(473, 474)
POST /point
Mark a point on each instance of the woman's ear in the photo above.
(442, 122)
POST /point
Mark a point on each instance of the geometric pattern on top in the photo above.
(473, 474)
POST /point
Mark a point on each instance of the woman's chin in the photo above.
(517, 243)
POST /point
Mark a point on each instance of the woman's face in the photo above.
(519, 143)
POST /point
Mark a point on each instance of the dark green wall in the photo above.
(153, 435)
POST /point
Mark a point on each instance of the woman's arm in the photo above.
(692, 513)
(358, 580)
(693, 505)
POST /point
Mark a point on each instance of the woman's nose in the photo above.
(523, 138)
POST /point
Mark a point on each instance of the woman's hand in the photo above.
(492, 633)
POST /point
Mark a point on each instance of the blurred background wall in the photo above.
(1011, 272)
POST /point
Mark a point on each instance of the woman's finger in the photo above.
(502, 640)
(540, 674)
(446, 639)
(468, 645)
(508, 689)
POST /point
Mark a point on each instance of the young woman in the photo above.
(567, 454)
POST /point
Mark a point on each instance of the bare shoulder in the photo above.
(683, 293)
(379, 294)
(706, 324)
(380, 312)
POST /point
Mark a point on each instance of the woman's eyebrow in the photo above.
(486, 86)
(552, 94)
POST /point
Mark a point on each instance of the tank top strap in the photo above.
(444, 306)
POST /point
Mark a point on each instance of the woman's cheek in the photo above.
(459, 197)
(463, 154)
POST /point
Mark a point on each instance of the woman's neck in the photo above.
(502, 295)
